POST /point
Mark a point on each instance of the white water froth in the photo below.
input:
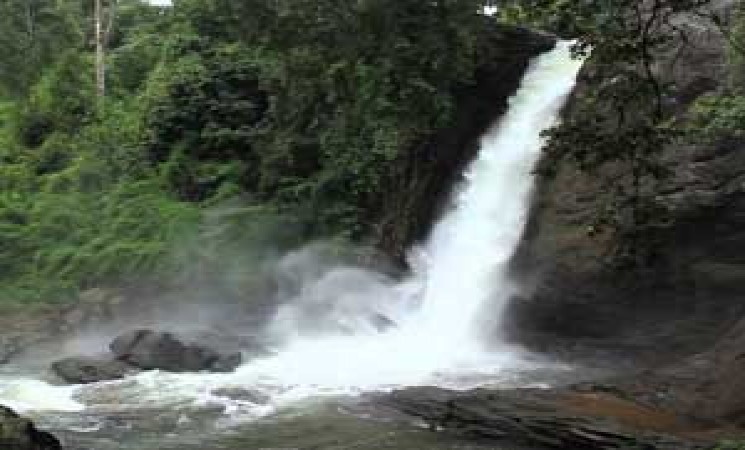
(459, 276)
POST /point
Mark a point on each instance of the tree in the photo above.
(620, 119)
(103, 16)
(34, 34)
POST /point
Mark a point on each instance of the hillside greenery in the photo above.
(232, 125)
(280, 118)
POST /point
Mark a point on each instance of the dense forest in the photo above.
(148, 141)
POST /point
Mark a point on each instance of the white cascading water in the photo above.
(459, 276)
(470, 248)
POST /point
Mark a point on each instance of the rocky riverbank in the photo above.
(591, 416)
(673, 324)
(18, 433)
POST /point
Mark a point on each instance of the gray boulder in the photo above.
(18, 433)
(81, 370)
(148, 349)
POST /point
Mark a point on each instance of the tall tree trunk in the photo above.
(100, 51)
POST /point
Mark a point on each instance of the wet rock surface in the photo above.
(708, 386)
(82, 370)
(18, 433)
(567, 419)
(148, 349)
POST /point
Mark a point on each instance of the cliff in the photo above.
(677, 313)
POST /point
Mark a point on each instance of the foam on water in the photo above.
(460, 277)
(23, 395)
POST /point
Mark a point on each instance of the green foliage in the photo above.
(201, 114)
(74, 227)
(59, 101)
(731, 445)
(564, 17)
(722, 114)
(228, 126)
(717, 116)
(34, 34)
(136, 45)
(322, 114)
(736, 35)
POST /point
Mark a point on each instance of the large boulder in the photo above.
(148, 349)
(223, 342)
(18, 433)
(81, 370)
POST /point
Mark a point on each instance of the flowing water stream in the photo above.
(459, 278)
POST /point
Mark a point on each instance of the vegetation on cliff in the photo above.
(632, 106)
(229, 122)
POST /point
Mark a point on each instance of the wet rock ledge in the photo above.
(18, 433)
(574, 418)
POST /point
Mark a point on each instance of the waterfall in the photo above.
(468, 252)
(460, 274)
(460, 277)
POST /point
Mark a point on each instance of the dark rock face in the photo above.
(425, 175)
(693, 287)
(708, 386)
(149, 349)
(89, 370)
(227, 343)
(17, 433)
(720, 383)
(680, 317)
